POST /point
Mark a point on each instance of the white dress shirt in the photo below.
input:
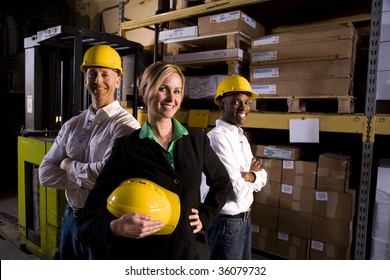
(87, 139)
(233, 149)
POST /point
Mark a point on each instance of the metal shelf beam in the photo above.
(354, 123)
(381, 124)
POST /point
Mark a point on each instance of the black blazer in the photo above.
(133, 157)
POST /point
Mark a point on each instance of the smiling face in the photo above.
(168, 98)
(101, 84)
(235, 108)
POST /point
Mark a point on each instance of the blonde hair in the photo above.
(152, 78)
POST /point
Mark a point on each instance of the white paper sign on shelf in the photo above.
(304, 130)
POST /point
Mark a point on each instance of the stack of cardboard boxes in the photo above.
(317, 62)
(235, 29)
(303, 212)
(223, 37)
(334, 209)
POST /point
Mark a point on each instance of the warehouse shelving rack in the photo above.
(368, 124)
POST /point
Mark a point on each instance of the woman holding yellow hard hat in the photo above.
(160, 164)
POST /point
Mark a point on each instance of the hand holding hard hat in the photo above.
(143, 199)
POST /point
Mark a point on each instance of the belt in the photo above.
(75, 212)
(237, 216)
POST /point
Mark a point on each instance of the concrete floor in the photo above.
(11, 245)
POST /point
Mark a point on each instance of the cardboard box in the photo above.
(381, 222)
(326, 251)
(383, 179)
(327, 33)
(273, 167)
(335, 68)
(178, 33)
(383, 85)
(299, 173)
(292, 247)
(335, 205)
(380, 249)
(333, 172)
(308, 51)
(385, 27)
(384, 56)
(304, 87)
(264, 239)
(295, 223)
(280, 152)
(207, 56)
(264, 216)
(269, 194)
(297, 198)
(230, 22)
(334, 231)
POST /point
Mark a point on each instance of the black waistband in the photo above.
(237, 216)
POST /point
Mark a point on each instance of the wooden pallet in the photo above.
(299, 104)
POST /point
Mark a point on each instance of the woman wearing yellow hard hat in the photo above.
(162, 161)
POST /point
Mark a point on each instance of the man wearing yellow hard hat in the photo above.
(229, 236)
(84, 143)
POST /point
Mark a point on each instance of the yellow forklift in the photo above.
(54, 92)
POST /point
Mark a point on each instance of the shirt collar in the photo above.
(179, 131)
(229, 126)
(109, 109)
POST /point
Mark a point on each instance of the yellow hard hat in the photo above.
(234, 83)
(142, 196)
(102, 56)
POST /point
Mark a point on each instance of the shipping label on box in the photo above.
(263, 56)
(264, 89)
(280, 152)
(261, 73)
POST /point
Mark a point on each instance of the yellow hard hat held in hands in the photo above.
(142, 196)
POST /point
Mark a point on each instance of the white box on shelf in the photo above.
(184, 32)
(213, 55)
